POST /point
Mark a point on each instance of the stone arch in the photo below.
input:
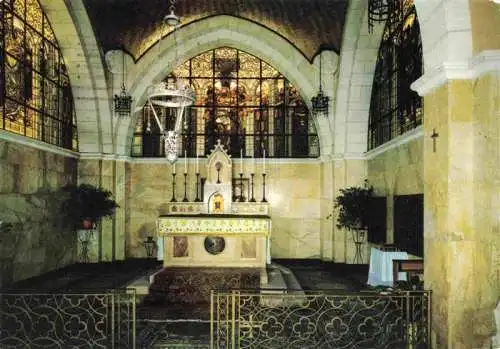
(211, 33)
(446, 41)
(77, 42)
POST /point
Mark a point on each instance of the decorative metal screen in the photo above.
(394, 107)
(242, 101)
(69, 320)
(35, 93)
(295, 320)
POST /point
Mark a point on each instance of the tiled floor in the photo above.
(157, 331)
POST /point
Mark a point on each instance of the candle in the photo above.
(185, 161)
(197, 165)
(253, 163)
(264, 159)
(173, 169)
(241, 160)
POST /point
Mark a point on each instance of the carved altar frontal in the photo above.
(215, 240)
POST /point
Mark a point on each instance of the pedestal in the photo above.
(88, 246)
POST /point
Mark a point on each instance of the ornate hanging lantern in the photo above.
(320, 101)
(176, 95)
(123, 101)
(378, 11)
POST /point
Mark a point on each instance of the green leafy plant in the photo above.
(86, 202)
(353, 205)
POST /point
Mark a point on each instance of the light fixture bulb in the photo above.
(172, 19)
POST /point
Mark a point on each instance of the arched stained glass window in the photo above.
(35, 92)
(242, 101)
(395, 108)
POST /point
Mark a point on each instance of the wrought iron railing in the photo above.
(256, 320)
(68, 320)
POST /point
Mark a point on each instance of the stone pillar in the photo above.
(460, 192)
(347, 173)
(120, 213)
(326, 205)
(107, 240)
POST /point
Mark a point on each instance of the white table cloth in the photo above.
(380, 271)
(159, 248)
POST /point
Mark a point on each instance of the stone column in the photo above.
(461, 161)
(107, 224)
(347, 173)
(120, 213)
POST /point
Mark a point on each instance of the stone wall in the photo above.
(39, 242)
(398, 171)
(292, 188)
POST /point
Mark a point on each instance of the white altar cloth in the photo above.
(380, 271)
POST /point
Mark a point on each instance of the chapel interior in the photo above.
(225, 132)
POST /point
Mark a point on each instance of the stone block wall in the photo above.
(28, 179)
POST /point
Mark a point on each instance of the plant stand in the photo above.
(87, 245)
(359, 241)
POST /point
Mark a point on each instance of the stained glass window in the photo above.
(241, 100)
(35, 93)
(395, 108)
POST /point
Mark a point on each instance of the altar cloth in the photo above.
(380, 270)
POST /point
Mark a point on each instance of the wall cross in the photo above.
(434, 135)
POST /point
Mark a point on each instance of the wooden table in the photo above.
(411, 266)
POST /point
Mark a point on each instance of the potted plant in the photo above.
(353, 206)
(86, 205)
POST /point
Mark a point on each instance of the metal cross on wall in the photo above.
(434, 135)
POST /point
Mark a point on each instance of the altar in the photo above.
(215, 240)
(219, 229)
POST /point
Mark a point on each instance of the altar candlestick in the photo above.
(264, 160)
(253, 163)
(241, 160)
(185, 161)
(197, 164)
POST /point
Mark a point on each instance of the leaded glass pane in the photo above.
(47, 31)
(34, 15)
(268, 71)
(249, 66)
(250, 89)
(201, 66)
(19, 8)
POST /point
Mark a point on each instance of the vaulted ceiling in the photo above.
(136, 25)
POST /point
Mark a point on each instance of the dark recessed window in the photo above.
(409, 223)
(240, 100)
(395, 108)
(377, 227)
(35, 92)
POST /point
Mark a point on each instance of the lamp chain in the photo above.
(320, 73)
(123, 68)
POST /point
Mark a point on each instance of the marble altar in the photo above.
(218, 231)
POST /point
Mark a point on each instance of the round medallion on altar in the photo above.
(214, 244)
